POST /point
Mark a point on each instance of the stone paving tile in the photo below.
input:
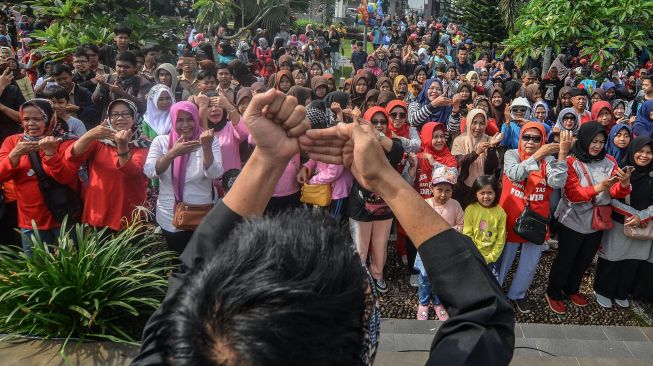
(648, 331)
(412, 342)
(584, 348)
(641, 350)
(625, 334)
(414, 326)
(387, 342)
(401, 358)
(584, 332)
(388, 325)
(543, 361)
(542, 331)
(588, 361)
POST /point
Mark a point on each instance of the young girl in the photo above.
(485, 221)
(442, 184)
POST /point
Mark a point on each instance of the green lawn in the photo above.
(347, 70)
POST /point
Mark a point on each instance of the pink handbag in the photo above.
(601, 215)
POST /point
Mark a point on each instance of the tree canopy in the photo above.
(483, 20)
(607, 32)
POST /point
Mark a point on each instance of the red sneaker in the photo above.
(557, 306)
(578, 300)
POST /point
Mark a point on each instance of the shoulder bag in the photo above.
(187, 217)
(60, 199)
(316, 194)
(601, 215)
(530, 225)
(637, 232)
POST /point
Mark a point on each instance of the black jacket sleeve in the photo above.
(203, 246)
(480, 330)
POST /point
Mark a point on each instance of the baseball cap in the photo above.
(444, 174)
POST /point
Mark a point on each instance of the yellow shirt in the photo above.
(487, 228)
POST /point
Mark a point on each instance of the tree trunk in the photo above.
(546, 60)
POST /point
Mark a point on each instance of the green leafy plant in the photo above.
(608, 32)
(96, 290)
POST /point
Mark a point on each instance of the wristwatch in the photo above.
(381, 136)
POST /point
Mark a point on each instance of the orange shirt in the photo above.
(31, 205)
(113, 191)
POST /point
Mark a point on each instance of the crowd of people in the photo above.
(515, 157)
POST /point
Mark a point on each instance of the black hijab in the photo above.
(587, 133)
(641, 194)
(340, 97)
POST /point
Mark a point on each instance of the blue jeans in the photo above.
(528, 262)
(48, 236)
(335, 61)
(425, 291)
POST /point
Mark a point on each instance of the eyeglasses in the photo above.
(397, 115)
(519, 110)
(573, 118)
(536, 139)
(379, 122)
(120, 115)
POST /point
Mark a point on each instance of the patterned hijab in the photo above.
(52, 126)
(138, 139)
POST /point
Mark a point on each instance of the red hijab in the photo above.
(404, 131)
(442, 156)
(597, 107)
(372, 111)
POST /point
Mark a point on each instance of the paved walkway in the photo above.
(406, 343)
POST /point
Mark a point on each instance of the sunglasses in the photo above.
(569, 117)
(396, 115)
(519, 110)
(379, 122)
(536, 139)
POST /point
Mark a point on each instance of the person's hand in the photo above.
(122, 138)
(24, 148)
(481, 147)
(606, 183)
(457, 99)
(206, 139)
(275, 121)
(632, 221)
(101, 79)
(441, 101)
(303, 175)
(336, 108)
(496, 139)
(222, 102)
(101, 132)
(6, 78)
(49, 145)
(72, 108)
(506, 114)
(182, 147)
(412, 159)
(566, 141)
(356, 146)
(116, 89)
(624, 176)
(202, 101)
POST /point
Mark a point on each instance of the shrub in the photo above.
(95, 291)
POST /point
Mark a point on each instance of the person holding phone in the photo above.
(593, 179)
(115, 151)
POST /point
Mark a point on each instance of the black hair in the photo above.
(221, 66)
(80, 53)
(203, 74)
(486, 180)
(149, 49)
(188, 53)
(138, 53)
(127, 56)
(55, 92)
(122, 30)
(649, 78)
(281, 292)
(359, 44)
(59, 69)
(90, 46)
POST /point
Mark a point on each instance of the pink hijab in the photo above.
(179, 164)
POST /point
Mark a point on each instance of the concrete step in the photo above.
(419, 359)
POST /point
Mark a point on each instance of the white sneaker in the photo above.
(603, 301)
(622, 303)
(414, 280)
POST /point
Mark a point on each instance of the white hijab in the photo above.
(157, 119)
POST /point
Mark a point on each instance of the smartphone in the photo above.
(629, 167)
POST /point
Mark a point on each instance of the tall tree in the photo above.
(607, 32)
(483, 21)
(510, 10)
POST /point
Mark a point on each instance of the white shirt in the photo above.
(197, 185)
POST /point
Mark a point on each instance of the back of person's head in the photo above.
(60, 69)
(55, 92)
(91, 47)
(206, 73)
(283, 290)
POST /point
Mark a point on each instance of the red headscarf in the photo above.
(372, 111)
(404, 131)
(537, 176)
(596, 109)
(442, 156)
